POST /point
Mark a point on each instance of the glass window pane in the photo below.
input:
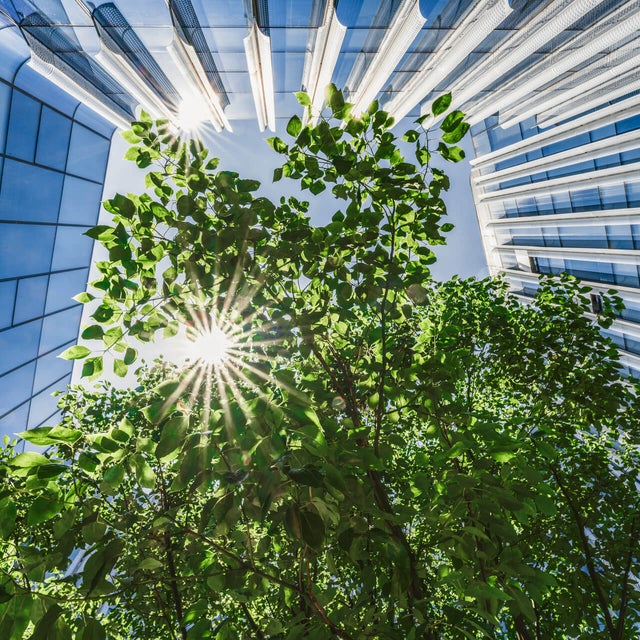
(613, 196)
(500, 137)
(37, 85)
(620, 236)
(59, 329)
(7, 298)
(626, 275)
(23, 126)
(25, 249)
(5, 101)
(53, 139)
(628, 124)
(80, 201)
(586, 200)
(50, 369)
(16, 387)
(19, 200)
(633, 194)
(63, 286)
(32, 293)
(561, 203)
(89, 117)
(87, 154)
(72, 249)
(44, 405)
(15, 421)
(19, 345)
(629, 157)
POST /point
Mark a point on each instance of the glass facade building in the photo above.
(550, 86)
(53, 157)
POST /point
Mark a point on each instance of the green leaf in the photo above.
(441, 104)
(8, 515)
(277, 144)
(312, 529)
(294, 126)
(93, 332)
(29, 459)
(93, 630)
(120, 368)
(46, 627)
(309, 475)
(334, 98)
(15, 616)
(144, 473)
(84, 297)
(114, 476)
(452, 121)
(457, 134)
(150, 564)
(101, 233)
(75, 353)
(173, 434)
(130, 136)
(303, 98)
(46, 436)
(44, 507)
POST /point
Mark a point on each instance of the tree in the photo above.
(366, 454)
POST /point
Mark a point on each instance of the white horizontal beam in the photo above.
(63, 81)
(590, 151)
(601, 177)
(607, 32)
(616, 88)
(620, 256)
(627, 293)
(537, 30)
(603, 117)
(578, 219)
(557, 94)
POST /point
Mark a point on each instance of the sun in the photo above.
(212, 345)
(192, 114)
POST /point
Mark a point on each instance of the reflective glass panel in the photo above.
(44, 406)
(63, 286)
(59, 329)
(72, 249)
(5, 101)
(19, 200)
(80, 201)
(16, 387)
(7, 298)
(25, 249)
(620, 236)
(23, 126)
(49, 370)
(30, 299)
(88, 153)
(19, 345)
(53, 139)
(15, 421)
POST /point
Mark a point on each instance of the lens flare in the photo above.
(192, 114)
(212, 346)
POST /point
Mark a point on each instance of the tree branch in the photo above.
(591, 568)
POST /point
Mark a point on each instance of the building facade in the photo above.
(550, 86)
(53, 156)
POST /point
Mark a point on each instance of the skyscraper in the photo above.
(550, 86)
